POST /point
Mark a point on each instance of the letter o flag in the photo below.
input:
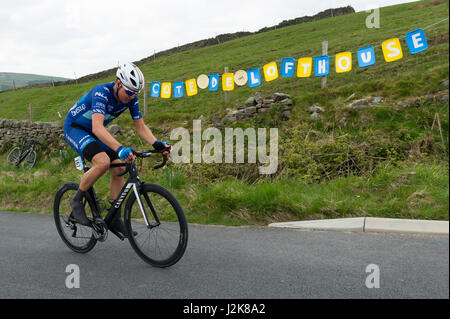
(270, 71)
(343, 62)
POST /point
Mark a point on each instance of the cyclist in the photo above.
(84, 130)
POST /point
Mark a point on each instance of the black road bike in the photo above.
(152, 215)
(25, 153)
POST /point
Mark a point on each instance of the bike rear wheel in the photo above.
(164, 241)
(77, 237)
(14, 155)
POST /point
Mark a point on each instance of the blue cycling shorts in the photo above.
(78, 138)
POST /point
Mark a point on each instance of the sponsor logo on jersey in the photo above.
(77, 109)
(101, 95)
(98, 110)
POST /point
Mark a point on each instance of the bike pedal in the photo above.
(99, 229)
(99, 235)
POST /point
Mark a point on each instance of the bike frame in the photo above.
(133, 183)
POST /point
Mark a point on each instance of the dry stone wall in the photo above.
(48, 133)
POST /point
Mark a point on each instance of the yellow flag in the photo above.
(343, 62)
(304, 67)
(166, 90)
(228, 81)
(392, 50)
(191, 87)
(270, 71)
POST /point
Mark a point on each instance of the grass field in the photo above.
(383, 160)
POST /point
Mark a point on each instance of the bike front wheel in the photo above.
(160, 233)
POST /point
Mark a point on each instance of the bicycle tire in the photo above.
(61, 213)
(173, 225)
(30, 160)
(14, 155)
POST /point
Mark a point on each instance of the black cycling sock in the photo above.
(79, 195)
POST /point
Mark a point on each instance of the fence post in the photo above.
(324, 52)
(227, 93)
(145, 99)
(31, 112)
(14, 84)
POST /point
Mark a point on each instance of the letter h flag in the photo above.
(322, 65)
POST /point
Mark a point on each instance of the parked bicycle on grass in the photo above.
(24, 153)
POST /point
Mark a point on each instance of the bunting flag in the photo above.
(214, 82)
(304, 67)
(178, 89)
(270, 71)
(228, 81)
(254, 77)
(392, 50)
(166, 90)
(191, 87)
(287, 67)
(366, 57)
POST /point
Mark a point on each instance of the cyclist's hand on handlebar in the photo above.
(159, 146)
(125, 154)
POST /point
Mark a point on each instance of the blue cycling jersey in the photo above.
(101, 100)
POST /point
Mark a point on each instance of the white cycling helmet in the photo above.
(130, 75)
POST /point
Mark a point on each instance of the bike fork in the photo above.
(141, 206)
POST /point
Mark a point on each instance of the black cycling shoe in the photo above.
(119, 227)
(78, 212)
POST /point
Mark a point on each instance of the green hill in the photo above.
(9, 81)
(387, 159)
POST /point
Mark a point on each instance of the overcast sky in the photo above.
(74, 38)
